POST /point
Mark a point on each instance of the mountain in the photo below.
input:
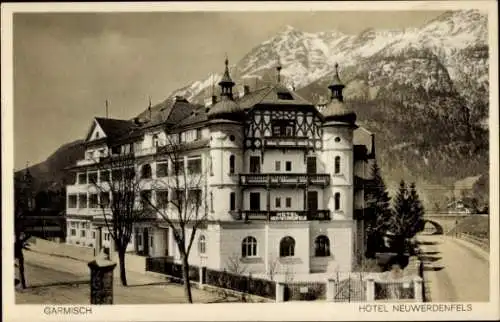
(49, 175)
(423, 91)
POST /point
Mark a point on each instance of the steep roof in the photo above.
(276, 94)
(363, 137)
(115, 128)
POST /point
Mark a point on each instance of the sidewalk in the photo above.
(141, 289)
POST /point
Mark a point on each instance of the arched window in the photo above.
(231, 164)
(249, 247)
(337, 165)
(146, 171)
(287, 247)
(202, 244)
(232, 201)
(337, 200)
(321, 246)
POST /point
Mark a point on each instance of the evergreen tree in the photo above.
(377, 202)
(401, 211)
(378, 211)
(415, 219)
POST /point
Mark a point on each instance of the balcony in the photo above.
(288, 142)
(87, 161)
(283, 215)
(284, 179)
(145, 151)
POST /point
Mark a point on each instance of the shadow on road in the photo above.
(68, 283)
(433, 268)
(427, 243)
(428, 258)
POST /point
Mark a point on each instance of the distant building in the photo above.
(285, 181)
(462, 206)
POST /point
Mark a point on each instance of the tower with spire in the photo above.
(337, 154)
(226, 123)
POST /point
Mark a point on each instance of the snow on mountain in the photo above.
(307, 57)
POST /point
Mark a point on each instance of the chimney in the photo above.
(246, 90)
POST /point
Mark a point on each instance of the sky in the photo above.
(66, 65)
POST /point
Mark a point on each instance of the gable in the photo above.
(95, 133)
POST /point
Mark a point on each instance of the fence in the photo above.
(220, 279)
(484, 243)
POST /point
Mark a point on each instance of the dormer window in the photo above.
(285, 96)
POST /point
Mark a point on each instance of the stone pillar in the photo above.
(280, 292)
(101, 280)
(418, 289)
(203, 274)
(331, 290)
(370, 289)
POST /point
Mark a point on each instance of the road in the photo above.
(56, 280)
(455, 271)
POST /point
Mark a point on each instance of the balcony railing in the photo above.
(145, 151)
(87, 161)
(283, 215)
(288, 141)
(273, 179)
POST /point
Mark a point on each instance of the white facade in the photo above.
(274, 203)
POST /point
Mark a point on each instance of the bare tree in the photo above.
(119, 189)
(24, 203)
(185, 210)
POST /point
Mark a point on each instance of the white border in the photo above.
(249, 312)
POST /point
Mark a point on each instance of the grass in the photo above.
(478, 226)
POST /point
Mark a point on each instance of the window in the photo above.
(72, 200)
(288, 202)
(73, 224)
(162, 198)
(129, 173)
(202, 244)
(194, 166)
(287, 247)
(154, 140)
(211, 201)
(277, 165)
(82, 178)
(105, 200)
(161, 170)
(232, 201)
(311, 164)
(115, 150)
(285, 96)
(96, 135)
(146, 198)
(321, 246)
(146, 171)
(337, 139)
(178, 168)
(278, 202)
(82, 233)
(92, 177)
(198, 134)
(93, 234)
(283, 128)
(231, 164)
(194, 197)
(288, 165)
(337, 165)
(189, 136)
(254, 201)
(82, 200)
(73, 232)
(337, 201)
(254, 164)
(93, 202)
(249, 247)
(104, 176)
(116, 175)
